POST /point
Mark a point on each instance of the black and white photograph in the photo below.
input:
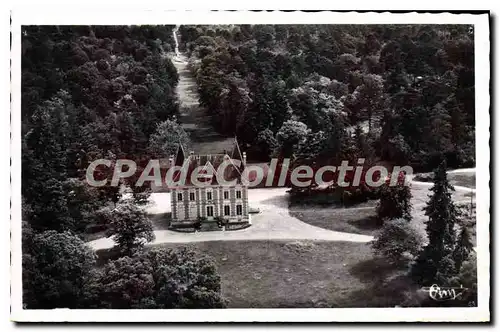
(319, 167)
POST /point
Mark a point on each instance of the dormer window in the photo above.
(226, 194)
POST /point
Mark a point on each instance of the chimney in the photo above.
(244, 161)
(191, 152)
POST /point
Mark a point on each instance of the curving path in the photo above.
(457, 188)
(193, 118)
(455, 171)
(462, 170)
(272, 223)
(174, 33)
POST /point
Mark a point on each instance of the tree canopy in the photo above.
(88, 92)
(160, 279)
(409, 86)
(57, 268)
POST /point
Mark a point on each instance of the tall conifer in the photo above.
(436, 263)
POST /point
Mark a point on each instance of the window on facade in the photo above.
(210, 211)
(238, 194)
(226, 194)
(226, 210)
(191, 196)
(239, 210)
(179, 197)
(209, 195)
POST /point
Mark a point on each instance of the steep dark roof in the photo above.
(211, 162)
(236, 153)
(180, 156)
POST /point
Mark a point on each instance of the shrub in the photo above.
(100, 54)
(395, 201)
(398, 240)
(467, 277)
(56, 269)
(160, 279)
(423, 177)
(129, 225)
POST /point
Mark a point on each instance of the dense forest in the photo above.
(88, 93)
(316, 93)
(404, 94)
(400, 93)
(91, 92)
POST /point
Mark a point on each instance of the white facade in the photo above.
(229, 203)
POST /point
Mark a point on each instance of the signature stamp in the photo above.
(441, 294)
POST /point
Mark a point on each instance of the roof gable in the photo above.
(180, 156)
(236, 153)
(190, 162)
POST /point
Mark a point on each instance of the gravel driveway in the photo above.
(273, 222)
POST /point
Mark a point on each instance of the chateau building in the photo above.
(213, 199)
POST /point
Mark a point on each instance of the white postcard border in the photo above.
(117, 17)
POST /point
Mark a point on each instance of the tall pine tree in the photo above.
(435, 263)
(44, 171)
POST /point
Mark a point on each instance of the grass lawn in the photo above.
(463, 179)
(261, 274)
(359, 221)
(457, 179)
(160, 221)
(93, 236)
